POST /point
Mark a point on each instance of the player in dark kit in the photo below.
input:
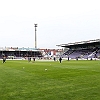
(4, 59)
(60, 59)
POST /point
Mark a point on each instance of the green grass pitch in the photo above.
(70, 80)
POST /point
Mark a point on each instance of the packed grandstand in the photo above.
(82, 50)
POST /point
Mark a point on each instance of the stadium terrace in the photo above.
(82, 50)
(20, 53)
(17, 53)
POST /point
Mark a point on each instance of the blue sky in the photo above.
(59, 22)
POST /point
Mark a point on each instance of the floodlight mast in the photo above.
(35, 25)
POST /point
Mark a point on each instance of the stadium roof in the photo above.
(17, 49)
(89, 42)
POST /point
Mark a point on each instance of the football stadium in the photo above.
(77, 77)
(82, 50)
(49, 50)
